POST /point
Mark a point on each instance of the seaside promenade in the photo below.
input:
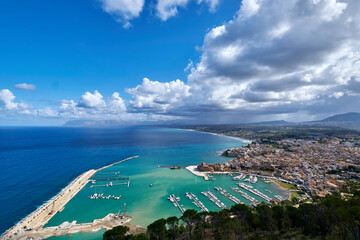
(34, 222)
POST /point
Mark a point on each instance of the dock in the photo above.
(98, 179)
(244, 195)
(214, 199)
(254, 191)
(175, 200)
(228, 195)
(196, 202)
(37, 219)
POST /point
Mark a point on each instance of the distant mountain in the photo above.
(278, 122)
(351, 117)
(91, 123)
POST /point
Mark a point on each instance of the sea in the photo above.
(38, 162)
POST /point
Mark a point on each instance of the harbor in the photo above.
(220, 199)
(37, 219)
(108, 222)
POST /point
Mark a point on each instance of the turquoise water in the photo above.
(146, 204)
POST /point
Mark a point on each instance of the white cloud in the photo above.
(25, 86)
(212, 4)
(7, 99)
(280, 56)
(123, 10)
(169, 8)
(89, 100)
(154, 96)
(116, 103)
(249, 8)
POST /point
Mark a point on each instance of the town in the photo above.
(319, 165)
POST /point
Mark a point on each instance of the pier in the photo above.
(245, 195)
(228, 195)
(111, 184)
(172, 198)
(37, 219)
(99, 179)
(196, 202)
(214, 199)
(254, 191)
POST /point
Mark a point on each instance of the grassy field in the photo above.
(288, 186)
(295, 194)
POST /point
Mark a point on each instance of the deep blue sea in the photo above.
(37, 162)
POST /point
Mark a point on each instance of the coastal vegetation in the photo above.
(273, 133)
(287, 186)
(334, 216)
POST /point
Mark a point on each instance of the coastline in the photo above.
(217, 134)
(42, 215)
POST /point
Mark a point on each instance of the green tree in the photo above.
(189, 218)
(139, 236)
(117, 233)
(157, 229)
(172, 222)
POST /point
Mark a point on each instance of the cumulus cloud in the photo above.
(154, 96)
(123, 10)
(292, 59)
(280, 53)
(25, 86)
(116, 103)
(93, 106)
(7, 99)
(8, 107)
(92, 100)
(169, 8)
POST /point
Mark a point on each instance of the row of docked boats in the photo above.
(101, 196)
(228, 195)
(196, 201)
(254, 191)
(175, 200)
(214, 199)
(245, 195)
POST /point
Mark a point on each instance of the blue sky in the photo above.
(69, 47)
(125, 60)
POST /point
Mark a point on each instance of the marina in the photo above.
(214, 199)
(231, 197)
(254, 191)
(196, 201)
(36, 220)
(101, 196)
(245, 195)
(111, 184)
